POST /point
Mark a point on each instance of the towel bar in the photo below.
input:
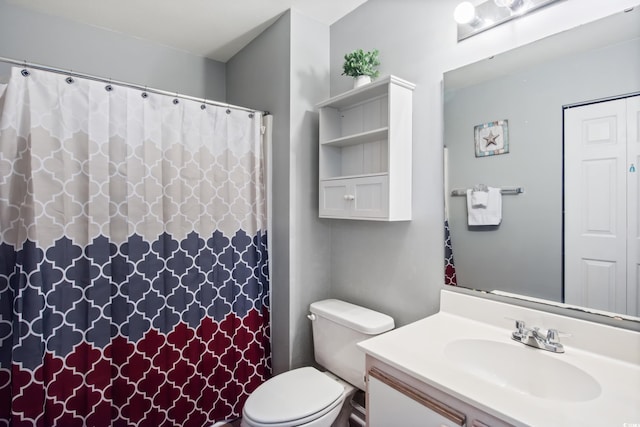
(504, 190)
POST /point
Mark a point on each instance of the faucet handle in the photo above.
(552, 336)
(521, 333)
(520, 325)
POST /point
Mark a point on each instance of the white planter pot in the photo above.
(361, 80)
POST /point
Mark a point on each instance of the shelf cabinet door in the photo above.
(354, 198)
(371, 197)
(334, 199)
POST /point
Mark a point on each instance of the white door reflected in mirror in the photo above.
(601, 205)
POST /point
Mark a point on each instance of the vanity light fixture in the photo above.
(472, 19)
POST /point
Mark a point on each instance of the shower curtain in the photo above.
(449, 264)
(133, 256)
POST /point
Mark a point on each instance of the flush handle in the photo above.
(311, 316)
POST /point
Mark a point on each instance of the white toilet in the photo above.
(311, 398)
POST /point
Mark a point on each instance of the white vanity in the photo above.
(460, 367)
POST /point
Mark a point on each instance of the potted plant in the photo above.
(361, 65)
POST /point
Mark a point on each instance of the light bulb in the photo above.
(515, 5)
(465, 13)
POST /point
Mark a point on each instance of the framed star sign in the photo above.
(491, 138)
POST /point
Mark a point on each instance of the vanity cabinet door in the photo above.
(393, 403)
(396, 399)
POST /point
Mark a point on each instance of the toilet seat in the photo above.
(293, 398)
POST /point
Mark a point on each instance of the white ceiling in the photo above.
(216, 29)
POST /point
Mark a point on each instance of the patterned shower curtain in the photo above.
(133, 256)
(449, 264)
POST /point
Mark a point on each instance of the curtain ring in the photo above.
(144, 94)
(228, 111)
(69, 78)
(25, 72)
(251, 115)
(204, 104)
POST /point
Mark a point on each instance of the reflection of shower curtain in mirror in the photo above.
(133, 256)
(449, 266)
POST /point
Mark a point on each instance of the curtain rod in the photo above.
(125, 84)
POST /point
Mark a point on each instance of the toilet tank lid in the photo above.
(361, 319)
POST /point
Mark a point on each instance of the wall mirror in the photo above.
(523, 93)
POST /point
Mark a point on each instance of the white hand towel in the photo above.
(489, 215)
(479, 199)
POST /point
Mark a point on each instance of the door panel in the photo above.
(599, 202)
(600, 287)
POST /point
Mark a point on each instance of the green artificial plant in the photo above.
(361, 63)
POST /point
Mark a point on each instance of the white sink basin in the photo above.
(523, 369)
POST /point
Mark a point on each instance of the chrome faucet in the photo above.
(536, 337)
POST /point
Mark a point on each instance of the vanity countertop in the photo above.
(609, 355)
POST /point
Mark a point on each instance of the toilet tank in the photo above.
(337, 327)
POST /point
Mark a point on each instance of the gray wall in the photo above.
(259, 75)
(310, 237)
(531, 229)
(61, 43)
(398, 268)
(285, 71)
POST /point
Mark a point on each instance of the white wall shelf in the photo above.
(365, 152)
(359, 138)
(376, 88)
(363, 175)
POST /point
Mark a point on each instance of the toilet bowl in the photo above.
(307, 397)
(301, 397)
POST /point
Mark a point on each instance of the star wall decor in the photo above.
(491, 138)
